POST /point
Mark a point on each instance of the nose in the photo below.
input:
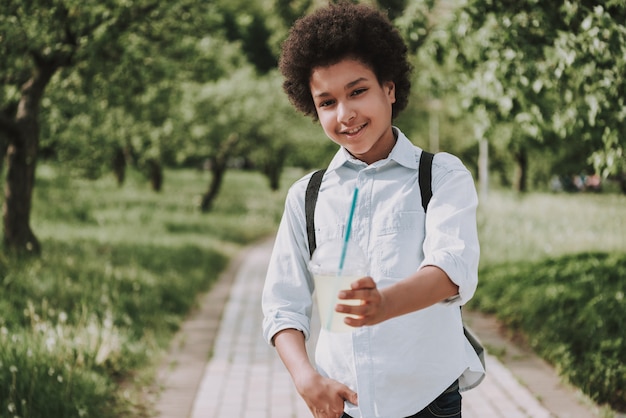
(345, 113)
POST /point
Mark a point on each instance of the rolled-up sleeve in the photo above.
(451, 234)
(287, 294)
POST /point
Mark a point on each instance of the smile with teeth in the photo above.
(354, 130)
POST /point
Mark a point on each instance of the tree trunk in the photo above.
(521, 170)
(274, 176)
(274, 168)
(119, 165)
(218, 168)
(3, 152)
(217, 175)
(22, 152)
(18, 191)
(155, 172)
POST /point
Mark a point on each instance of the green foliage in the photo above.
(88, 314)
(393, 8)
(434, 118)
(413, 20)
(122, 95)
(589, 61)
(40, 378)
(250, 110)
(121, 65)
(122, 267)
(290, 10)
(552, 70)
(553, 268)
(571, 309)
(250, 28)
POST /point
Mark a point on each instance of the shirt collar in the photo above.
(402, 153)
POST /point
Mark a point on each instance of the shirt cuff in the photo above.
(459, 275)
(281, 320)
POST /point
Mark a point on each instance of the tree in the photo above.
(216, 118)
(589, 63)
(38, 40)
(243, 116)
(554, 71)
(128, 113)
(88, 40)
(281, 134)
(434, 118)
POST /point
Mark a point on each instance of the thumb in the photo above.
(350, 396)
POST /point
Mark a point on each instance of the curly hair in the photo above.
(338, 31)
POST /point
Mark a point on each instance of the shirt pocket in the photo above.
(329, 232)
(399, 241)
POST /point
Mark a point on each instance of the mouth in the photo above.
(353, 131)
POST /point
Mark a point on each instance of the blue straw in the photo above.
(348, 229)
(344, 249)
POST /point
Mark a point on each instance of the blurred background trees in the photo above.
(102, 86)
(545, 82)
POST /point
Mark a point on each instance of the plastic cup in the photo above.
(329, 281)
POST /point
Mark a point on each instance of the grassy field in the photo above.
(553, 269)
(535, 226)
(82, 328)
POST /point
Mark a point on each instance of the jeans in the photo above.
(447, 405)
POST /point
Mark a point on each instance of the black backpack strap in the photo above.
(310, 199)
(425, 178)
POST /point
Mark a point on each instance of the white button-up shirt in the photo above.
(401, 365)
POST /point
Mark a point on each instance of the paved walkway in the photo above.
(243, 377)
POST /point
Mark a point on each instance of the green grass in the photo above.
(535, 226)
(83, 328)
(553, 268)
(571, 310)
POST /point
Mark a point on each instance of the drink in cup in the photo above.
(330, 280)
(327, 288)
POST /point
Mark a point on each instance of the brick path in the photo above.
(245, 378)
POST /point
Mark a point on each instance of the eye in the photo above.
(326, 103)
(359, 91)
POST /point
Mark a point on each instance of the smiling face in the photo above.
(354, 109)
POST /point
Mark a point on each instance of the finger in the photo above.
(363, 283)
(353, 294)
(360, 321)
(358, 310)
(349, 396)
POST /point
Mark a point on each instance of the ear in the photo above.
(390, 89)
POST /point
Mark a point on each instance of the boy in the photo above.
(346, 66)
